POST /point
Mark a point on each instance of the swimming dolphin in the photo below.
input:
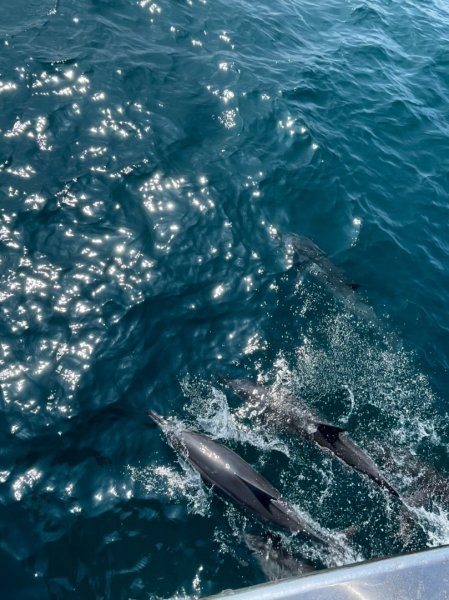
(306, 255)
(292, 414)
(227, 472)
(275, 561)
(426, 482)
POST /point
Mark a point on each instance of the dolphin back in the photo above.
(247, 390)
(230, 474)
(288, 412)
(302, 421)
(224, 468)
(305, 253)
(355, 457)
(303, 249)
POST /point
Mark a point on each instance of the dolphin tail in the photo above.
(157, 418)
(407, 523)
(383, 483)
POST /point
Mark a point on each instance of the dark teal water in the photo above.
(149, 153)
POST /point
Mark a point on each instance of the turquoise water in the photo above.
(151, 155)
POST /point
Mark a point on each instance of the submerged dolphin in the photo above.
(292, 414)
(274, 560)
(226, 471)
(308, 256)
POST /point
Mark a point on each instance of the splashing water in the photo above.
(209, 407)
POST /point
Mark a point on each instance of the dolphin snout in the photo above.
(156, 418)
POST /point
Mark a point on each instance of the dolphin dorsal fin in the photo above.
(330, 432)
(264, 496)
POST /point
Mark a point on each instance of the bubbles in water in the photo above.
(436, 524)
(209, 407)
(378, 380)
(176, 484)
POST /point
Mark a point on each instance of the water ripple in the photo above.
(152, 155)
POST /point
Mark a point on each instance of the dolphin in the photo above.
(291, 413)
(306, 255)
(228, 473)
(274, 560)
(427, 482)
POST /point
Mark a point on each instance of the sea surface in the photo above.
(152, 157)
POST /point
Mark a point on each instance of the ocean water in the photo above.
(152, 156)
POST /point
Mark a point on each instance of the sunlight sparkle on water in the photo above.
(227, 95)
(228, 118)
(7, 86)
(218, 291)
(4, 476)
(24, 482)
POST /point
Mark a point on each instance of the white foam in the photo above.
(177, 484)
(435, 523)
(209, 408)
(344, 356)
(351, 399)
